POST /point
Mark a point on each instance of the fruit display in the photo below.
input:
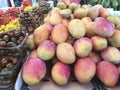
(9, 15)
(12, 38)
(77, 39)
(13, 24)
(9, 69)
(7, 62)
(13, 11)
(2, 15)
(107, 3)
(11, 58)
(33, 16)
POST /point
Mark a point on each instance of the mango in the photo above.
(48, 26)
(107, 73)
(86, 20)
(66, 13)
(111, 54)
(73, 6)
(83, 47)
(65, 53)
(114, 40)
(46, 50)
(90, 29)
(103, 27)
(59, 33)
(114, 19)
(40, 34)
(60, 73)
(55, 17)
(93, 12)
(33, 54)
(65, 22)
(99, 43)
(30, 42)
(95, 56)
(80, 13)
(76, 32)
(61, 5)
(34, 69)
(103, 13)
(84, 70)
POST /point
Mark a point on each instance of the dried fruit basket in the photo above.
(11, 59)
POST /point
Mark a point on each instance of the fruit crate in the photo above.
(30, 20)
(10, 62)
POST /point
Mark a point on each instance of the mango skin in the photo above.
(34, 69)
(90, 29)
(80, 13)
(33, 54)
(30, 42)
(40, 34)
(86, 20)
(65, 53)
(46, 50)
(99, 43)
(93, 12)
(119, 69)
(84, 70)
(107, 73)
(114, 40)
(83, 47)
(76, 32)
(60, 73)
(111, 54)
(59, 33)
(55, 17)
(103, 27)
(95, 56)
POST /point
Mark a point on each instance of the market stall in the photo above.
(72, 45)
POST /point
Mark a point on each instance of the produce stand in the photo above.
(16, 46)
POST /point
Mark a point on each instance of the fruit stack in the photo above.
(32, 17)
(84, 37)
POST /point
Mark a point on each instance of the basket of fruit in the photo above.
(11, 58)
(13, 43)
(9, 69)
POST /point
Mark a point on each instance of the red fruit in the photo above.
(103, 27)
(84, 70)
(107, 73)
